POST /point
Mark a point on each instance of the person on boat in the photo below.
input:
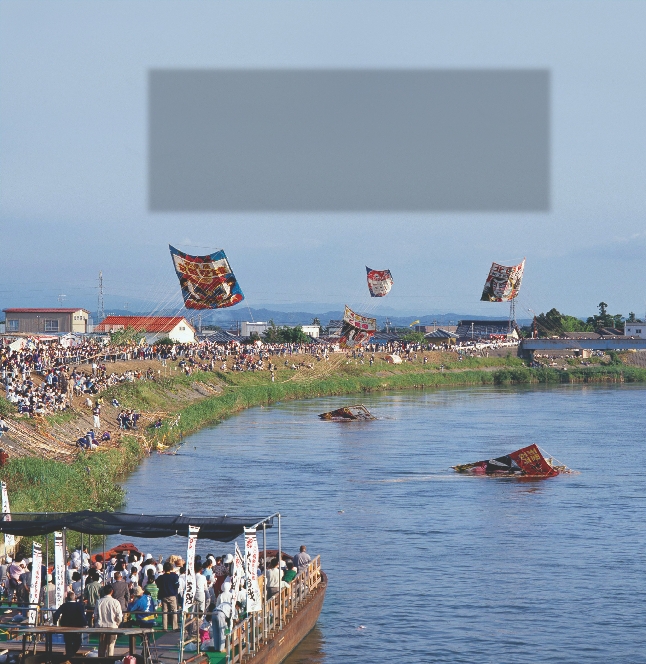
(221, 616)
(168, 589)
(201, 589)
(151, 586)
(273, 578)
(302, 559)
(290, 573)
(77, 584)
(149, 565)
(70, 614)
(92, 592)
(107, 614)
(48, 596)
(121, 592)
(141, 608)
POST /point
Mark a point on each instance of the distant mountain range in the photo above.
(229, 318)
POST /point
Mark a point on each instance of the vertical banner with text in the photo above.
(237, 576)
(9, 540)
(34, 589)
(189, 594)
(59, 569)
(254, 602)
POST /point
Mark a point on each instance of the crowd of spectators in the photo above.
(133, 589)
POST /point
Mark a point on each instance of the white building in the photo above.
(259, 328)
(312, 330)
(253, 328)
(635, 329)
(175, 328)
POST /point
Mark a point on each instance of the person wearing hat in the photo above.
(221, 616)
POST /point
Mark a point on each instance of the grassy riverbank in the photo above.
(91, 481)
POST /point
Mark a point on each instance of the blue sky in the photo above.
(73, 154)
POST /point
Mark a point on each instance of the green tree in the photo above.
(125, 337)
(554, 323)
(286, 335)
(604, 319)
(414, 337)
(631, 317)
(316, 321)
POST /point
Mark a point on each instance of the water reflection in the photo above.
(430, 562)
(310, 650)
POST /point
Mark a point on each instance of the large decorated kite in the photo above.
(356, 329)
(379, 282)
(503, 283)
(207, 282)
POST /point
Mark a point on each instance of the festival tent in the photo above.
(219, 528)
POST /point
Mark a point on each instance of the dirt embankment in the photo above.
(55, 436)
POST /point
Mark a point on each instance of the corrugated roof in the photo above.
(141, 323)
(44, 310)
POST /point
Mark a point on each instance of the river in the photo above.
(426, 565)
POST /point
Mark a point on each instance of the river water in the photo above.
(426, 565)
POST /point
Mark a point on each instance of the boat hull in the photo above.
(276, 649)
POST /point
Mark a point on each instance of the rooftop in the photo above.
(142, 323)
(45, 310)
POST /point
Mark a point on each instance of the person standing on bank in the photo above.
(107, 614)
(168, 585)
(71, 614)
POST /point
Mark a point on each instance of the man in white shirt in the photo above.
(107, 613)
(221, 616)
(201, 589)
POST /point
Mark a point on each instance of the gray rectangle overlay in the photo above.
(349, 140)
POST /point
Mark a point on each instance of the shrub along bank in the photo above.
(92, 480)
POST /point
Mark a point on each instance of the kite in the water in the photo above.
(207, 282)
(503, 283)
(379, 282)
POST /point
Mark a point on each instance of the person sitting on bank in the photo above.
(70, 614)
(142, 608)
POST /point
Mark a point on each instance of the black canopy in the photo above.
(219, 528)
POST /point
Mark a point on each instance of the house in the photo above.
(486, 329)
(176, 328)
(61, 320)
(258, 328)
(311, 330)
(636, 328)
(441, 336)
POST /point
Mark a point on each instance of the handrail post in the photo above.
(280, 572)
(264, 583)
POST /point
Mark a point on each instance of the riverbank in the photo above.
(90, 480)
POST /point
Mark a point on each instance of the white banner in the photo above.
(254, 603)
(59, 569)
(189, 593)
(237, 577)
(9, 540)
(34, 590)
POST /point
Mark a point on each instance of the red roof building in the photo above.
(176, 328)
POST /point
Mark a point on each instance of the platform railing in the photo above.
(248, 635)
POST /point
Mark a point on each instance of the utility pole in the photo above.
(61, 297)
(100, 305)
(471, 330)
